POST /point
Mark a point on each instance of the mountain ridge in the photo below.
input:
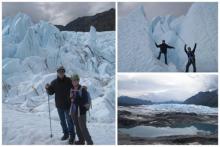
(104, 21)
(208, 98)
(130, 101)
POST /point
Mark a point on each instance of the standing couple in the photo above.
(72, 103)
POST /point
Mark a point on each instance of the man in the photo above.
(191, 58)
(163, 49)
(80, 102)
(61, 88)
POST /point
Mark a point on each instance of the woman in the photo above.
(191, 58)
(79, 107)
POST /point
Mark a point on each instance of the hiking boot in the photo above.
(91, 143)
(80, 142)
(71, 140)
(65, 137)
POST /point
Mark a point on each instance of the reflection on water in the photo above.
(150, 131)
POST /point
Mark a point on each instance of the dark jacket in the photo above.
(81, 100)
(190, 54)
(61, 88)
(163, 47)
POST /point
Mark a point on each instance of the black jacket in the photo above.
(190, 54)
(163, 47)
(61, 88)
(81, 100)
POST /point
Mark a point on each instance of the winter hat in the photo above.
(75, 77)
(61, 68)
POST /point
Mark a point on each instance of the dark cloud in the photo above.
(166, 87)
(153, 9)
(55, 12)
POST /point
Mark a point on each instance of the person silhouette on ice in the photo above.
(191, 58)
(163, 49)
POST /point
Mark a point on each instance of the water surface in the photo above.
(150, 131)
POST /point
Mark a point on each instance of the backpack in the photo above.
(89, 104)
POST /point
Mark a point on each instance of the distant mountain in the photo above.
(130, 101)
(204, 98)
(104, 21)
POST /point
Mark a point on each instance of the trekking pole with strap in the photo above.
(51, 134)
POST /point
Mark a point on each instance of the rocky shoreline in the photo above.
(124, 139)
(127, 119)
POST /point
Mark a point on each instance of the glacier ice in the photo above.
(31, 54)
(200, 26)
(137, 34)
(135, 44)
(183, 108)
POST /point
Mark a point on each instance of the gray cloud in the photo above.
(153, 9)
(55, 12)
(166, 87)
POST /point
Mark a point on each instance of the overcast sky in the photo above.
(153, 9)
(55, 12)
(168, 87)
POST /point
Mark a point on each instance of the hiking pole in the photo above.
(51, 134)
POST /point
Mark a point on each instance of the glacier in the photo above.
(137, 34)
(163, 108)
(31, 54)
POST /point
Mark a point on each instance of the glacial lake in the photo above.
(150, 131)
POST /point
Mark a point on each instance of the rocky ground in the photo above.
(124, 139)
(128, 119)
